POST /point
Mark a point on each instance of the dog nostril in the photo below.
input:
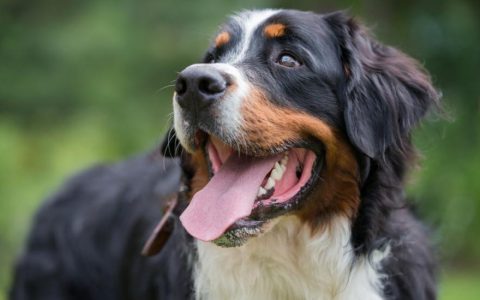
(180, 86)
(211, 86)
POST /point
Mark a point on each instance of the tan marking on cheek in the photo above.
(339, 191)
(274, 30)
(200, 167)
(267, 126)
(222, 39)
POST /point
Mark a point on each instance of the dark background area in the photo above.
(83, 82)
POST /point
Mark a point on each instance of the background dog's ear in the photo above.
(170, 146)
(387, 92)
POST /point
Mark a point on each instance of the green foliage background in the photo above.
(90, 81)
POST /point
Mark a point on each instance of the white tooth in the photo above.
(282, 169)
(270, 183)
(276, 173)
(261, 192)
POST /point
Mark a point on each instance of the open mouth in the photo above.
(289, 173)
(244, 192)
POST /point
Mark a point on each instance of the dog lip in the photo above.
(218, 152)
(200, 138)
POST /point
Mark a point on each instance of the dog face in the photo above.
(285, 115)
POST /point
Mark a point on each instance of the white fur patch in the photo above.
(180, 124)
(228, 110)
(288, 262)
(249, 21)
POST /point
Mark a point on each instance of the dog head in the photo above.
(285, 115)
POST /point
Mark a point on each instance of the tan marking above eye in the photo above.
(274, 30)
(222, 39)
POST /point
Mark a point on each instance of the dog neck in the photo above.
(290, 262)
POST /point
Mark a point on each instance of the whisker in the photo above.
(163, 88)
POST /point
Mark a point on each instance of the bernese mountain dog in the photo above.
(282, 177)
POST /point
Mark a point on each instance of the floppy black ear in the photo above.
(170, 146)
(387, 92)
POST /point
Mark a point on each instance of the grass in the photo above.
(460, 285)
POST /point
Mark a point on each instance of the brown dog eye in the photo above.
(288, 61)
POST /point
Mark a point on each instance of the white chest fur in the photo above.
(289, 263)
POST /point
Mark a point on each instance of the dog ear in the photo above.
(387, 92)
(170, 146)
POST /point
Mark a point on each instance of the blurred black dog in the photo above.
(85, 241)
(287, 162)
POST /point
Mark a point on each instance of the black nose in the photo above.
(199, 86)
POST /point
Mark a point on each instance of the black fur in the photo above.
(387, 93)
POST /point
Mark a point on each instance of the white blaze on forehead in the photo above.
(249, 22)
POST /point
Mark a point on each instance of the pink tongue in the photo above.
(228, 197)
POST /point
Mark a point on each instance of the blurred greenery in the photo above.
(89, 81)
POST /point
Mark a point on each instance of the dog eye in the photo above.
(288, 61)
